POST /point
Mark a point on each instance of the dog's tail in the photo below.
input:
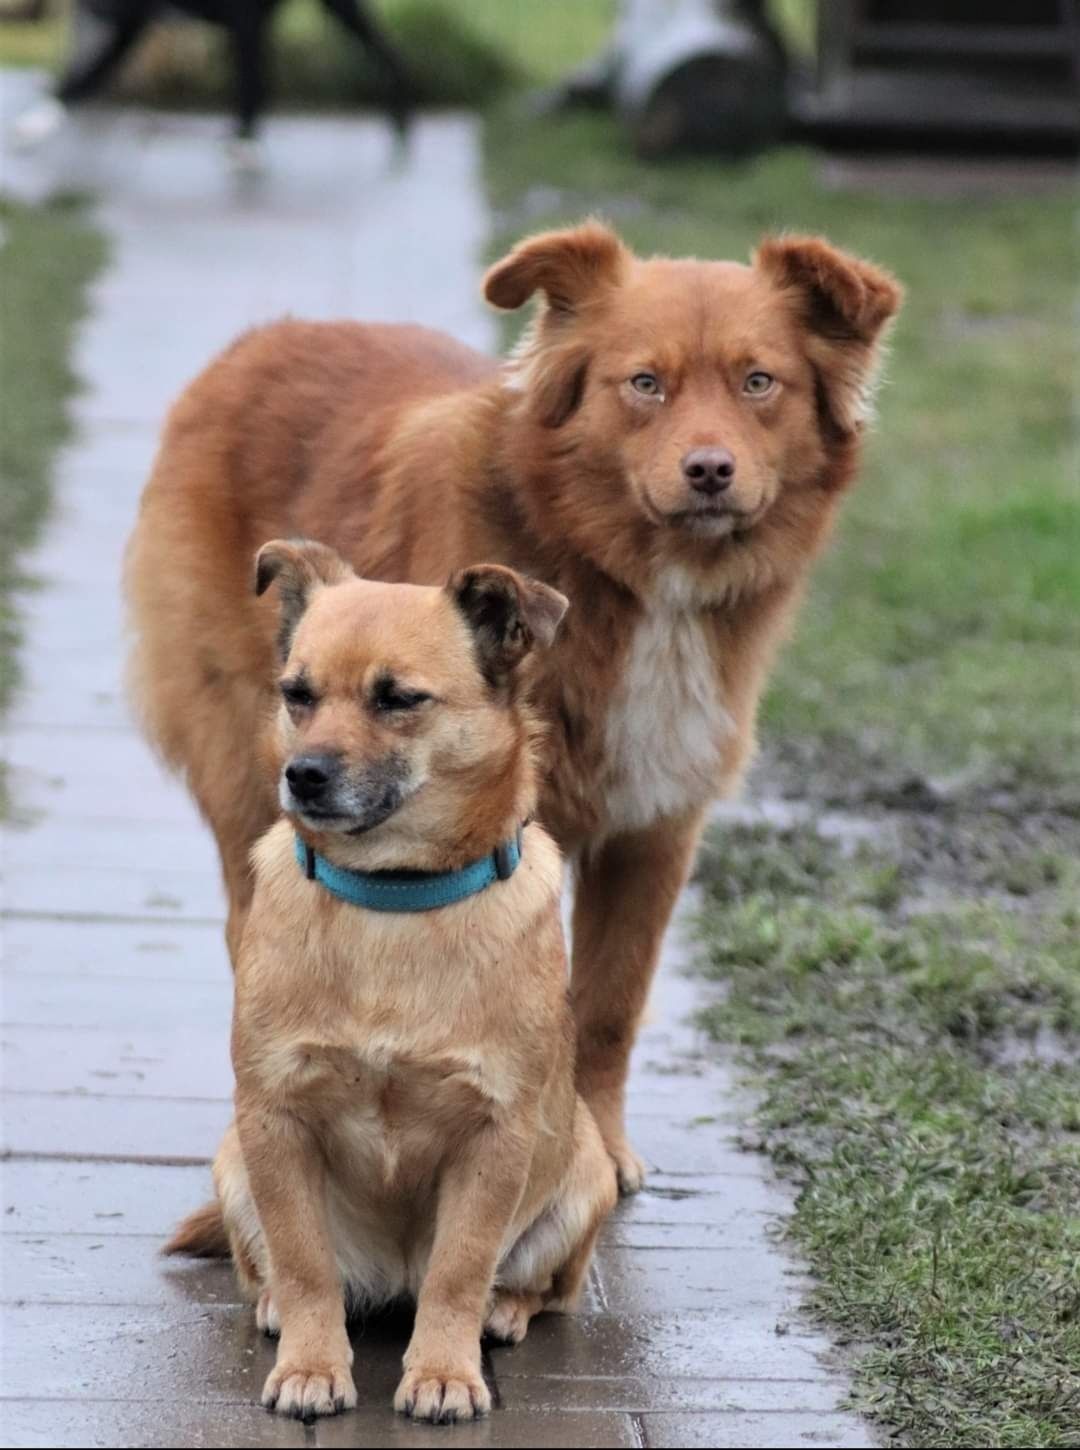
(202, 1234)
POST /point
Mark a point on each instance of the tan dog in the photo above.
(668, 448)
(406, 1119)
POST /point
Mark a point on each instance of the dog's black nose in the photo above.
(708, 470)
(309, 775)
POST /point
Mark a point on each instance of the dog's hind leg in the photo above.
(547, 1266)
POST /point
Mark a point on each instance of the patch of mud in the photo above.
(995, 835)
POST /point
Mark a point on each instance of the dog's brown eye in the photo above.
(389, 696)
(297, 694)
(648, 384)
(758, 384)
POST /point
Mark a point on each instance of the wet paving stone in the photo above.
(735, 1215)
(778, 1431)
(679, 1152)
(126, 1063)
(99, 1268)
(504, 1429)
(30, 1424)
(727, 1280)
(32, 1000)
(51, 1196)
(142, 951)
(140, 1129)
(636, 1396)
(655, 1350)
(94, 1351)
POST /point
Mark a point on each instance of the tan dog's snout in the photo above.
(313, 778)
(324, 787)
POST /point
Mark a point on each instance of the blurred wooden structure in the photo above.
(992, 74)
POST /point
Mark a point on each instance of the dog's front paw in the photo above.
(442, 1396)
(305, 1393)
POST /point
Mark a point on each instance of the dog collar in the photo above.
(410, 890)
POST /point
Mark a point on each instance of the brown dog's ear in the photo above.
(508, 614)
(568, 267)
(845, 305)
(299, 566)
(571, 268)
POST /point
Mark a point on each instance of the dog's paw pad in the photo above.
(442, 1398)
(307, 1393)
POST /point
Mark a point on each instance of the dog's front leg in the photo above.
(624, 894)
(478, 1196)
(312, 1375)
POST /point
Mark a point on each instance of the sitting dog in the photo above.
(406, 1118)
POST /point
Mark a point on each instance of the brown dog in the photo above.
(406, 1119)
(668, 448)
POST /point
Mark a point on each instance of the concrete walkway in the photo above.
(116, 990)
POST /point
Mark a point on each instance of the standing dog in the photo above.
(668, 448)
(406, 1119)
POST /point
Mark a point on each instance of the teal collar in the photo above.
(410, 890)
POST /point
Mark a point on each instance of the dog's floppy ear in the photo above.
(845, 306)
(508, 613)
(299, 566)
(568, 267)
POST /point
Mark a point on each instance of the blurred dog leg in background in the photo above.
(104, 32)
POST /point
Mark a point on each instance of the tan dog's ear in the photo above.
(845, 305)
(568, 267)
(508, 614)
(299, 566)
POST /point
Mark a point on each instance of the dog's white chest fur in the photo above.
(666, 724)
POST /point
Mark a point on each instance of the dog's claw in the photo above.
(306, 1394)
(442, 1399)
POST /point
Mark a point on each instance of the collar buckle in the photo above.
(505, 865)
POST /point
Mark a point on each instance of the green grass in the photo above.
(920, 1077)
(911, 1012)
(47, 259)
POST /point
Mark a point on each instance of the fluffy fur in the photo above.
(412, 456)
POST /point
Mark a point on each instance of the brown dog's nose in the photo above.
(309, 775)
(708, 470)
